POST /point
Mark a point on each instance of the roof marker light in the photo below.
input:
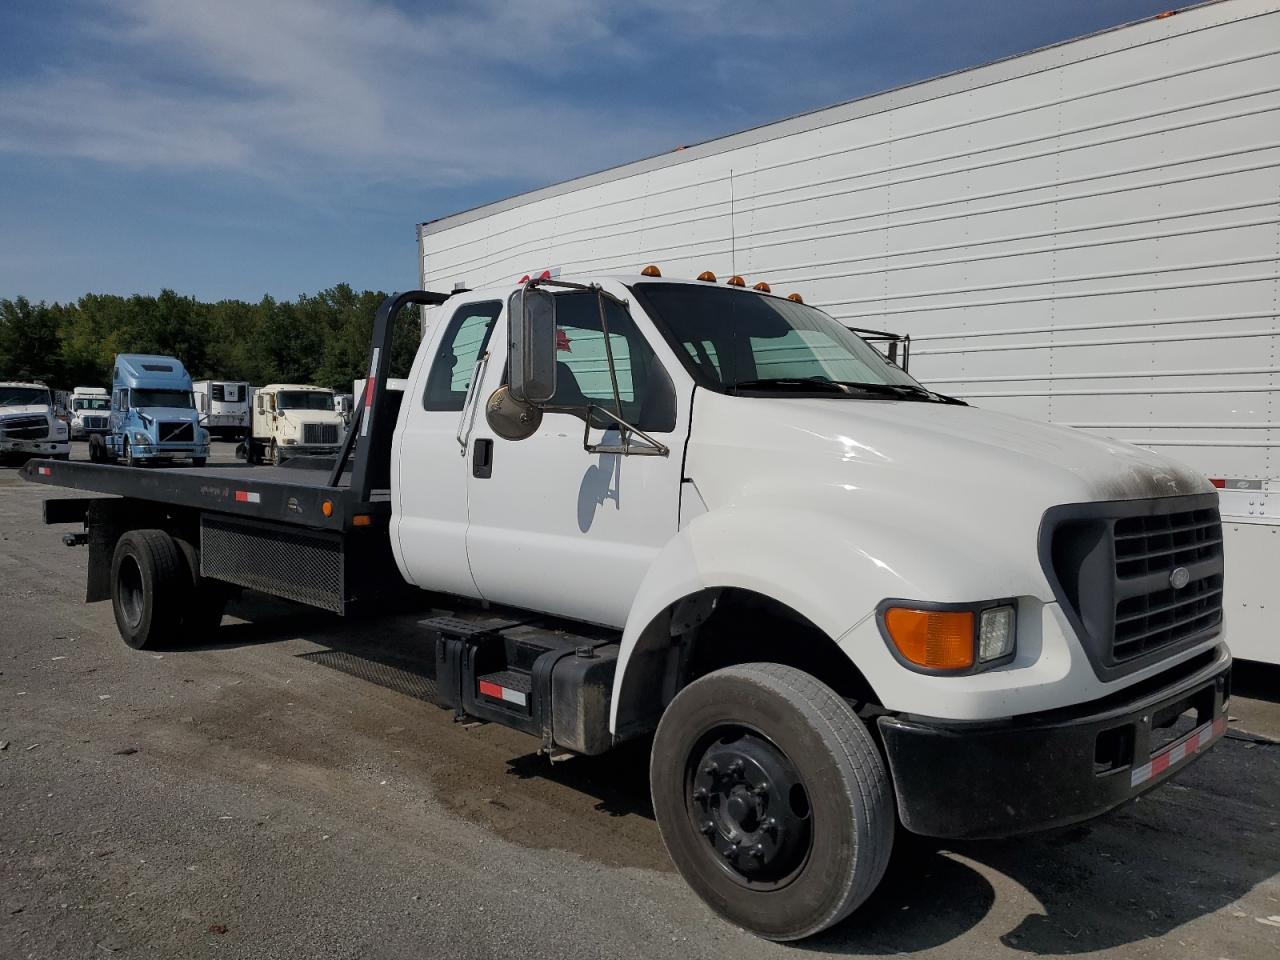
(651, 271)
(762, 287)
(796, 297)
(545, 275)
(1218, 482)
(736, 281)
(525, 278)
(706, 276)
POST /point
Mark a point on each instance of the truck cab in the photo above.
(224, 407)
(153, 414)
(291, 420)
(90, 410)
(29, 423)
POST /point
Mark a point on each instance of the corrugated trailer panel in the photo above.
(1087, 234)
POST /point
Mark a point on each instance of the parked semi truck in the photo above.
(153, 414)
(224, 407)
(90, 411)
(1086, 235)
(837, 600)
(293, 420)
(29, 424)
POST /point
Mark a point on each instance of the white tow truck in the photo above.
(838, 601)
(29, 423)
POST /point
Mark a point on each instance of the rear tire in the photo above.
(148, 588)
(772, 799)
(202, 613)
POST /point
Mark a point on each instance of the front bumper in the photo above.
(1030, 773)
(162, 451)
(47, 447)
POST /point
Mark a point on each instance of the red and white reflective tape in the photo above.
(245, 496)
(1193, 743)
(45, 471)
(503, 693)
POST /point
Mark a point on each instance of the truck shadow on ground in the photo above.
(1138, 873)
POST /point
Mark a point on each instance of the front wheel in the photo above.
(772, 799)
(126, 454)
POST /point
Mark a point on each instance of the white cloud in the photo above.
(296, 88)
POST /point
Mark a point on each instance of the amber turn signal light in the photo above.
(933, 639)
(706, 276)
(361, 520)
(651, 271)
(327, 508)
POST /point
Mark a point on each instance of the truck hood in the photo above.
(311, 416)
(921, 449)
(184, 414)
(27, 410)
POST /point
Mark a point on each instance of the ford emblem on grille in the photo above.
(1179, 577)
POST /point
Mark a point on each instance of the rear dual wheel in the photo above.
(772, 799)
(157, 595)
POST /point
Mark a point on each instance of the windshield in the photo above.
(24, 396)
(304, 400)
(161, 398)
(90, 403)
(730, 338)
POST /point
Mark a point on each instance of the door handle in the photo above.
(482, 459)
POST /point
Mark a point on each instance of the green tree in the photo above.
(29, 347)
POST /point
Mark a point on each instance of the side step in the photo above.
(553, 684)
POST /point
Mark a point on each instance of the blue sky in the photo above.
(236, 148)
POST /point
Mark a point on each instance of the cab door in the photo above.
(429, 460)
(553, 527)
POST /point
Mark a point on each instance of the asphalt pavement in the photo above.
(291, 791)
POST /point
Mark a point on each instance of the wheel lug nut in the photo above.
(736, 766)
(711, 769)
(708, 827)
(760, 789)
(758, 851)
(731, 852)
(700, 794)
(771, 824)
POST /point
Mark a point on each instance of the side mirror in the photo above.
(531, 345)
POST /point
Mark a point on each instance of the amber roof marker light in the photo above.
(651, 271)
(762, 287)
(796, 297)
(706, 276)
(736, 281)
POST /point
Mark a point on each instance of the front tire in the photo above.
(772, 799)
(148, 588)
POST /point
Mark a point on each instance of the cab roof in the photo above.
(294, 386)
(150, 371)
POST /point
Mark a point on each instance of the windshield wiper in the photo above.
(810, 384)
(905, 391)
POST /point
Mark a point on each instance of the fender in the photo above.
(844, 569)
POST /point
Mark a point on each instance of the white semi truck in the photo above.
(293, 420)
(837, 600)
(29, 422)
(1085, 235)
(90, 412)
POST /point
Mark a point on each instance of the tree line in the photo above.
(321, 339)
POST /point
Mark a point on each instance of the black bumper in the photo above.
(1030, 773)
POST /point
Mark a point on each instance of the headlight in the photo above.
(949, 637)
(141, 439)
(288, 441)
(204, 435)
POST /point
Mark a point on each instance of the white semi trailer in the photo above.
(1086, 234)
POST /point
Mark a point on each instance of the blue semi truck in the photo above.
(153, 414)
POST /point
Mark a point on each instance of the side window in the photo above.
(582, 365)
(464, 340)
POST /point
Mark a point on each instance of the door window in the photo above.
(582, 365)
(454, 364)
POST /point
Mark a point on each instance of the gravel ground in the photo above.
(247, 799)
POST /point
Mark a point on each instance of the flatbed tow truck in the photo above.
(839, 602)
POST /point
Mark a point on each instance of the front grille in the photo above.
(1139, 579)
(172, 431)
(319, 433)
(25, 428)
(95, 423)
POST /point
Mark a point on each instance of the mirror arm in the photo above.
(625, 448)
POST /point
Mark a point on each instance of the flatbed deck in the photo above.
(294, 493)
